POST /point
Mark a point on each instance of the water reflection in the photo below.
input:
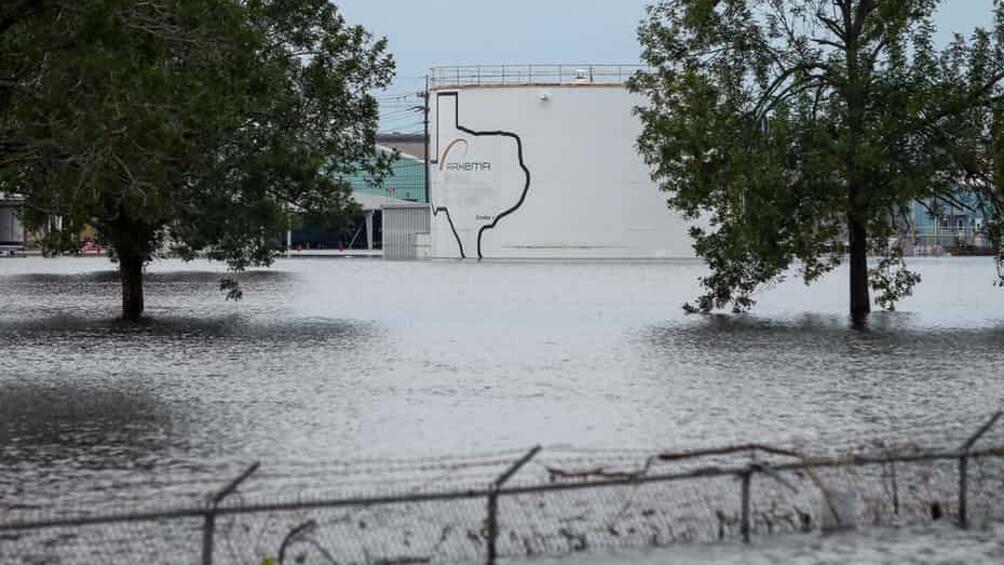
(55, 297)
(888, 334)
(234, 326)
(59, 420)
(95, 412)
(69, 440)
(817, 379)
(112, 276)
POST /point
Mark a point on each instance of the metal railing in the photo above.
(513, 75)
(538, 514)
(937, 240)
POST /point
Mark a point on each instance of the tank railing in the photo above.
(496, 75)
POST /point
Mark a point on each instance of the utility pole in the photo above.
(425, 95)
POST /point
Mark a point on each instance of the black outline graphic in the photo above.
(435, 212)
(494, 133)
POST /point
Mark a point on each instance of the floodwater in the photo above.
(330, 360)
(918, 545)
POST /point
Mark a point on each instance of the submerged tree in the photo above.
(194, 124)
(802, 130)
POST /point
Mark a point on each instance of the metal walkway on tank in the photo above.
(544, 74)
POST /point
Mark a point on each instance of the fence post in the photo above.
(208, 529)
(963, 474)
(744, 526)
(214, 499)
(492, 520)
(964, 468)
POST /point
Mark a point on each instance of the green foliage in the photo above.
(195, 123)
(892, 280)
(784, 126)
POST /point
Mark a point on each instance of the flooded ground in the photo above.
(928, 545)
(330, 360)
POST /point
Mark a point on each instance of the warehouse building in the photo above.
(404, 187)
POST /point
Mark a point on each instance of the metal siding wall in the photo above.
(11, 231)
(400, 226)
(405, 182)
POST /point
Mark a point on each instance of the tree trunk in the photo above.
(131, 271)
(860, 300)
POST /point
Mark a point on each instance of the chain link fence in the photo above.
(546, 502)
(947, 241)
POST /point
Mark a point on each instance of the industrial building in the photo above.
(956, 228)
(403, 187)
(524, 162)
(540, 162)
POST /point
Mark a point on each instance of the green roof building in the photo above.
(406, 181)
(404, 184)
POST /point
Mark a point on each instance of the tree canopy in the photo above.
(801, 131)
(194, 124)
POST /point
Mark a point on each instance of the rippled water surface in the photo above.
(327, 360)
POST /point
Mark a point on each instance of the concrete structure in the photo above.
(541, 162)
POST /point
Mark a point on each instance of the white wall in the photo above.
(589, 196)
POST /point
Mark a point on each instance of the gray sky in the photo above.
(423, 33)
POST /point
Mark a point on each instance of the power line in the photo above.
(397, 114)
(401, 117)
(402, 94)
(399, 127)
(400, 124)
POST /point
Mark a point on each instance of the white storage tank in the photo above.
(541, 162)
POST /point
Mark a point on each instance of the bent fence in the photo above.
(541, 502)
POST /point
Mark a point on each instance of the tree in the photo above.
(197, 124)
(802, 130)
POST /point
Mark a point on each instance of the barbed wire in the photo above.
(568, 499)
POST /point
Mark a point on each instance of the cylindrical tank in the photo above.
(543, 167)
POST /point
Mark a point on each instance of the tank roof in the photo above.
(458, 76)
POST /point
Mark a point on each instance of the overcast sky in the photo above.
(424, 33)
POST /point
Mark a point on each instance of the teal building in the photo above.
(406, 181)
(405, 184)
